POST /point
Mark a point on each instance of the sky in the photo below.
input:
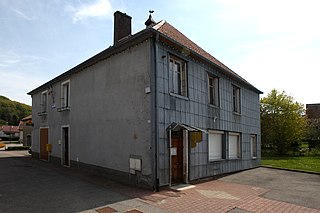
(270, 43)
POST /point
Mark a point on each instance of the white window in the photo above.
(253, 142)
(44, 101)
(65, 94)
(215, 145)
(234, 145)
(236, 99)
(179, 76)
(213, 87)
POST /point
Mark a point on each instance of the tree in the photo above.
(312, 135)
(11, 112)
(282, 121)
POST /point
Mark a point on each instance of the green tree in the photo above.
(11, 112)
(282, 121)
(312, 135)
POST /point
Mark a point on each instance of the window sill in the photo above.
(42, 113)
(61, 109)
(179, 96)
(214, 106)
(216, 160)
(236, 113)
(254, 158)
(234, 159)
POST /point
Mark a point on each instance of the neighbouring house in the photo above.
(25, 129)
(8, 132)
(154, 109)
(313, 111)
(313, 119)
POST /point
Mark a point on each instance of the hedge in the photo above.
(18, 148)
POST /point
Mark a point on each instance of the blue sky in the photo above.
(271, 43)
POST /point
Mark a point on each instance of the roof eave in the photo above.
(181, 48)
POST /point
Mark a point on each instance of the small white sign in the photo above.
(173, 150)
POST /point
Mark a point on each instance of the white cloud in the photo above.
(283, 49)
(23, 15)
(99, 9)
(16, 85)
(10, 58)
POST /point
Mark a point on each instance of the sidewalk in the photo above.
(217, 196)
(211, 196)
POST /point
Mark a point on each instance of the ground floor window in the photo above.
(234, 145)
(215, 145)
(253, 142)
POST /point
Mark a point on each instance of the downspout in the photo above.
(154, 108)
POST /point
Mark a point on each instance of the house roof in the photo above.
(168, 34)
(29, 117)
(171, 32)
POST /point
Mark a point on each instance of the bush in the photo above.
(10, 148)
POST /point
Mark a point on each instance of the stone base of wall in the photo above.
(137, 179)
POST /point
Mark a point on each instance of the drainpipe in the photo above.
(154, 108)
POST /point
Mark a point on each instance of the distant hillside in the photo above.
(11, 112)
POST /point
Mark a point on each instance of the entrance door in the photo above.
(65, 146)
(43, 144)
(177, 159)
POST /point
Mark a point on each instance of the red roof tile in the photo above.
(10, 129)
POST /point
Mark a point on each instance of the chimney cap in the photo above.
(150, 22)
(121, 13)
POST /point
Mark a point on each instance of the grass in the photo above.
(310, 163)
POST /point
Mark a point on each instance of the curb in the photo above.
(290, 170)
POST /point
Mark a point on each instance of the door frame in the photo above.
(63, 144)
(185, 154)
(46, 127)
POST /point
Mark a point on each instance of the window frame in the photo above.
(214, 98)
(254, 150)
(222, 147)
(44, 104)
(238, 145)
(179, 77)
(65, 104)
(236, 99)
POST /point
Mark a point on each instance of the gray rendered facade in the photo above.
(122, 108)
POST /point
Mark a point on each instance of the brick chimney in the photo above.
(122, 26)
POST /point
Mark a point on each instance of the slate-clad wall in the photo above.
(195, 110)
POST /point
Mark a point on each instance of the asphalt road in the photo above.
(292, 187)
(30, 185)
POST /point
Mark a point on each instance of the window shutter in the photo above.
(215, 146)
(233, 146)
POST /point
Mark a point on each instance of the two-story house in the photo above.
(154, 109)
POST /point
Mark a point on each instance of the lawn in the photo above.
(299, 163)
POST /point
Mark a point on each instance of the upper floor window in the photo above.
(234, 145)
(178, 68)
(213, 87)
(65, 94)
(236, 99)
(44, 101)
(253, 142)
